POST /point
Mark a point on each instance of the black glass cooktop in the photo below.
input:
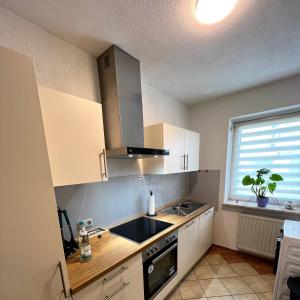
(140, 229)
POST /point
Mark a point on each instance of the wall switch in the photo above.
(88, 222)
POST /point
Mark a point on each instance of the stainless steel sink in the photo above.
(183, 209)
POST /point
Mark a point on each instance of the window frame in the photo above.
(274, 113)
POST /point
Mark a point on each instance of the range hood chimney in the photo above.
(121, 97)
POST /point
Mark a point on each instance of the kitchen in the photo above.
(59, 135)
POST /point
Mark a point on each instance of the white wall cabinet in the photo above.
(29, 261)
(206, 222)
(188, 253)
(192, 150)
(183, 145)
(75, 138)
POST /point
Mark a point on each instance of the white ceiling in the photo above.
(258, 43)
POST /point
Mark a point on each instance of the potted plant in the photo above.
(260, 186)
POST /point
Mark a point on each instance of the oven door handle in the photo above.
(158, 258)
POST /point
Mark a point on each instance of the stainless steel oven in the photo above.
(159, 265)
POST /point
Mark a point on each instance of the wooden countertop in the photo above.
(110, 251)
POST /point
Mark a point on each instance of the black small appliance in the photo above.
(70, 246)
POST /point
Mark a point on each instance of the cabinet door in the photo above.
(173, 138)
(205, 231)
(29, 260)
(194, 240)
(183, 251)
(75, 138)
(187, 247)
(192, 147)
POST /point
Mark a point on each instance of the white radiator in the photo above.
(258, 235)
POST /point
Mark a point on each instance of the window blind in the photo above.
(270, 143)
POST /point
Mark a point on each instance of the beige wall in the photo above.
(62, 66)
(58, 64)
(211, 119)
(159, 107)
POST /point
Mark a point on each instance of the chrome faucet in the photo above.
(186, 199)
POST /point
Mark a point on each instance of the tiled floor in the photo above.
(227, 275)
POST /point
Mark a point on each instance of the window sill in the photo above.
(269, 207)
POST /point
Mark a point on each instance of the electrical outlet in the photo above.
(88, 222)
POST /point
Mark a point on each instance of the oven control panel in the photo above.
(160, 245)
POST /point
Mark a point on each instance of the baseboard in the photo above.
(225, 248)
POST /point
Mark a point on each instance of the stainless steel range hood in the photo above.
(121, 97)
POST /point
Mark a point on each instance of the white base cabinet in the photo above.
(123, 283)
(206, 222)
(187, 247)
(130, 287)
(194, 239)
(135, 288)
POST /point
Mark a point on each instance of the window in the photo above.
(272, 143)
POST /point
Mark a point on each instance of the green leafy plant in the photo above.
(259, 185)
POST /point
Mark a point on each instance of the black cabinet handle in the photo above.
(62, 279)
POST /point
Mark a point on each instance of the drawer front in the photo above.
(116, 275)
(131, 287)
(109, 281)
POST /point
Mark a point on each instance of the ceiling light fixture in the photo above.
(213, 11)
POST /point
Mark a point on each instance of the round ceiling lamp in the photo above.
(213, 11)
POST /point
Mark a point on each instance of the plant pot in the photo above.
(262, 201)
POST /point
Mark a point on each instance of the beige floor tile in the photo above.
(202, 262)
(243, 269)
(221, 298)
(191, 276)
(213, 287)
(199, 298)
(215, 259)
(258, 283)
(245, 297)
(224, 270)
(204, 272)
(175, 295)
(190, 290)
(265, 296)
(236, 286)
(270, 278)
